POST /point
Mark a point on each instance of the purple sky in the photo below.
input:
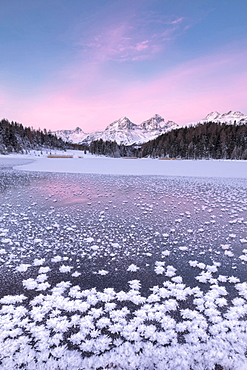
(87, 63)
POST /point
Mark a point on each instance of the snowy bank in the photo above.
(144, 166)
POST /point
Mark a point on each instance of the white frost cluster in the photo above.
(126, 330)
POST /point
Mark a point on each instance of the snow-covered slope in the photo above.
(123, 131)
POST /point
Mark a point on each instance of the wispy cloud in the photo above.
(131, 40)
(176, 21)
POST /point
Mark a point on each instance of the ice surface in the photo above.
(107, 277)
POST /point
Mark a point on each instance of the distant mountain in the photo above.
(125, 132)
(230, 117)
(72, 136)
(122, 131)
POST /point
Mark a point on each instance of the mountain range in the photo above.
(230, 117)
(123, 131)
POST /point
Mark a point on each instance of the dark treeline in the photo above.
(14, 137)
(208, 140)
(110, 148)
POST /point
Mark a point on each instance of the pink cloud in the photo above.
(184, 93)
(142, 45)
(131, 39)
(178, 20)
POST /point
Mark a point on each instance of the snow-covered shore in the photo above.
(123, 166)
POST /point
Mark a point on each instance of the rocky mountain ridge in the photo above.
(123, 131)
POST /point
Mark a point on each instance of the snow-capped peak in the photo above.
(231, 113)
(121, 124)
(153, 123)
(211, 116)
(78, 130)
(123, 131)
(73, 136)
(157, 123)
(228, 117)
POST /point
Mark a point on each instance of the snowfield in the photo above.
(144, 166)
(122, 272)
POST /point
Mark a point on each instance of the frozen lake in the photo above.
(127, 272)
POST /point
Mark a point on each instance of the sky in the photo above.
(86, 63)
